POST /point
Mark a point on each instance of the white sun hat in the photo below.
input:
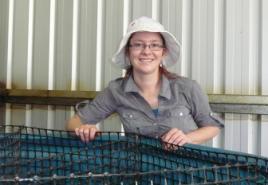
(148, 25)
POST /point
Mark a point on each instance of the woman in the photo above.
(149, 99)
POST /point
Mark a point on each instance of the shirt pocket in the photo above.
(180, 112)
(133, 120)
(180, 117)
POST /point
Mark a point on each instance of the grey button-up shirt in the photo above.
(182, 104)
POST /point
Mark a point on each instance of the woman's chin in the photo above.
(146, 70)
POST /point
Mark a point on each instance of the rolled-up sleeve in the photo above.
(201, 110)
(98, 109)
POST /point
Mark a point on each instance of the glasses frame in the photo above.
(143, 46)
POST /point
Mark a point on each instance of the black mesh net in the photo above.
(41, 156)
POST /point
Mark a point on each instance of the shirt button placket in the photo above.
(156, 134)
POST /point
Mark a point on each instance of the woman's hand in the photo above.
(176, 136)
(87, 132)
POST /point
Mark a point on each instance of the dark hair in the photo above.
(162, 68)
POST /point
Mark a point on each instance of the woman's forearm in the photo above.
(203, 134)
(73, 122)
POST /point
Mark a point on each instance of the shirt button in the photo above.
(130, 116)
(181, 114)
(156, 137)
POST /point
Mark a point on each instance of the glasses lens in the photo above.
(152, 47)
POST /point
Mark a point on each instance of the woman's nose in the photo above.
(146, 50)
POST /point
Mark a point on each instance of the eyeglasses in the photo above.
(142, 46)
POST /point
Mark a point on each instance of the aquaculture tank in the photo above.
(41, 156)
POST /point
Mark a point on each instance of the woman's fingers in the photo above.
(171, 135)
(86, 132)
(181, 140)
(93, 132)
(176, 137)
(86, 135)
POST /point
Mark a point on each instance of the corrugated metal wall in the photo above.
(68, 45)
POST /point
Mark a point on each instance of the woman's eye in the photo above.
(138, 45)
(155, 45)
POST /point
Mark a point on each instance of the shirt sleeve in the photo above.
(98, 109)
(201, 110)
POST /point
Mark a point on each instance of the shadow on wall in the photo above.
(2, 105)
(2, 85)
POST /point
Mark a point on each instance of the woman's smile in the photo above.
(146, 60)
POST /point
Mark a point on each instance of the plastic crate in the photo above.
(40, 156)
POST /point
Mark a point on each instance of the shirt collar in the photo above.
(130, 85)
(165, 91)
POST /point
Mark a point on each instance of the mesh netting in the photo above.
(41, 156)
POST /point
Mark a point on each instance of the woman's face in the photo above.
(146, 51)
